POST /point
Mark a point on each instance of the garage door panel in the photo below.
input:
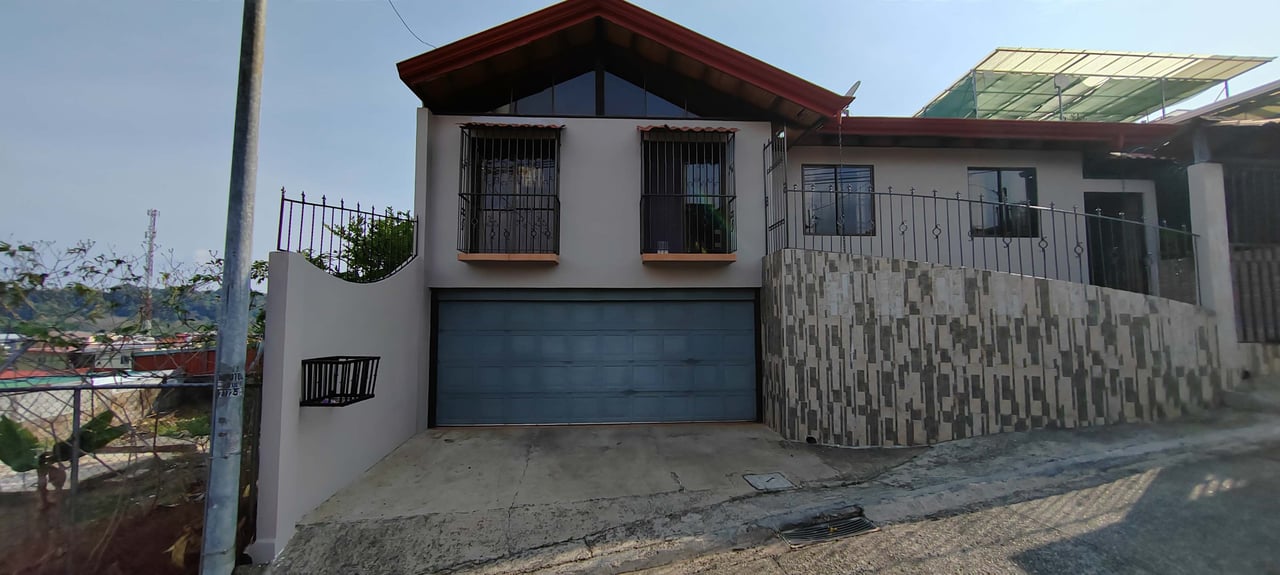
(541, 360)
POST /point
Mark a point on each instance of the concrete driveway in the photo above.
(452, 497)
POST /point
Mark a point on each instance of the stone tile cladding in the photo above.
(866, 351)
(1262, 358)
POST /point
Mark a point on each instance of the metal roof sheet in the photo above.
(1023, 84)
(512, 125)
(1261, 103)
(686, 128)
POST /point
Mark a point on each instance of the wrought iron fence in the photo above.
(355, 244)
(109, 478)
(508, 223)
(1121, 251)
(687, 224)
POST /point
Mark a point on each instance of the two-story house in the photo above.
(622, 221)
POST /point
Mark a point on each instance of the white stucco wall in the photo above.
(600, 188)
(309, 453)
(1060, 182)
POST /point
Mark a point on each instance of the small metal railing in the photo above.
(338, 381)
(508, 223)
(688, 224)
(355, 244)
(1120, 251)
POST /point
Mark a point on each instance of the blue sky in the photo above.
(111, 108)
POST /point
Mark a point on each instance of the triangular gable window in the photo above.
(579, 96)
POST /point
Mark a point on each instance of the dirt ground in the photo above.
(146, 520)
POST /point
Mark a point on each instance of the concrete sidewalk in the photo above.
(624, 531)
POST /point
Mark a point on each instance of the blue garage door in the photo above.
(595, 357)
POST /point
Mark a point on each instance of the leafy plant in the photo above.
(374, 248)
(19, 448)
(94, 435)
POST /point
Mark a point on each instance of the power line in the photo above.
(406, 24)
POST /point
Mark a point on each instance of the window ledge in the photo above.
(692, 258)
(519, 258)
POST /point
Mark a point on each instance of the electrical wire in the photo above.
(406, 25)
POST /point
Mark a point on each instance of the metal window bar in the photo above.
(1121, 252)
(775, 185)
(357, 244)
(509, 201)
(688, 199)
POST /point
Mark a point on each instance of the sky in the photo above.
(109, 108)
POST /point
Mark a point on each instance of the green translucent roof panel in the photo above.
(1024, 83)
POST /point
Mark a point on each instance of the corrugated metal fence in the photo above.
(1253, 207)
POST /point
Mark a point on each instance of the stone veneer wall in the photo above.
(1262, 358)
(865, 351)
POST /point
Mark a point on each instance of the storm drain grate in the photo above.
(827, 531)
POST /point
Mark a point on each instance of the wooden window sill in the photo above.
(524, 258)
(692, 258)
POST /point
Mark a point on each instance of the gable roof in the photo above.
(431, 74)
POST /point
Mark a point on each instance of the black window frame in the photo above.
(811, 194)
(1009, 215)
(496, 212)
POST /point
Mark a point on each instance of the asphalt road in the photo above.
(1218, 515)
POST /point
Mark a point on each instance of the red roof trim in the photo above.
(1118, 135)
(686, 129)
(490, 43)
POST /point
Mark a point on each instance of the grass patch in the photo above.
(197, 426)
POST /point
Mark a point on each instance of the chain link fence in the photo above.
(111, 478)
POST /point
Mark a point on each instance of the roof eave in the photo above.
(1118, 136)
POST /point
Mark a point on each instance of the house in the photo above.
(622, 221)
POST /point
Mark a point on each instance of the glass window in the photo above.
(539, 104)
(577, 96)
(655, 107)
(622, 98)
(840, 200)
(1003, 197)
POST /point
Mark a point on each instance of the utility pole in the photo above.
(222, 500)
(151, 266)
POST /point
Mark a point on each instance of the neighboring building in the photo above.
(623, 221)
(1242, 134)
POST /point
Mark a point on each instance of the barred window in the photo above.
(687, 204)
(510, 189)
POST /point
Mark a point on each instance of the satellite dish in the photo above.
(853, 89)
(1062, 81)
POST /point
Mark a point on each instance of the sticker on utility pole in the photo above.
(231, 384)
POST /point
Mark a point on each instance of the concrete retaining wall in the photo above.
(866, 351)
(309, 453)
